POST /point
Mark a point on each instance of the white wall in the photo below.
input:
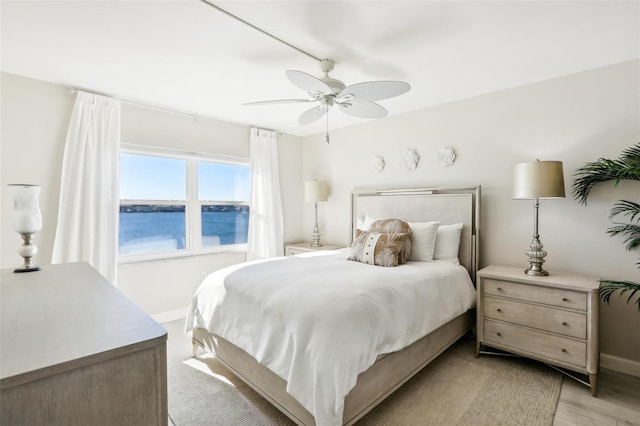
(576, 119)
(34, 117)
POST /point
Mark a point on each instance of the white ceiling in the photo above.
(187, 56)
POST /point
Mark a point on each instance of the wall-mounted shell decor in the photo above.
(446, 156)
(410, 159)
(377, 164)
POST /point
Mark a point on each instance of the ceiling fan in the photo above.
(356, 100)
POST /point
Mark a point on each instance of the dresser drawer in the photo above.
(536, 343)
(572, 324)
(533, 293)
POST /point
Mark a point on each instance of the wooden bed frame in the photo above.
(390, 371)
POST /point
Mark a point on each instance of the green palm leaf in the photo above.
(631, 232)
(626, 167)
(607, 288)
(625, 208)
(631, 154)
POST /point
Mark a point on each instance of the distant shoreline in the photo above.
(146, 208)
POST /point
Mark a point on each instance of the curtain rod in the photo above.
(73, 90)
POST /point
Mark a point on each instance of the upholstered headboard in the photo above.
(447, 205)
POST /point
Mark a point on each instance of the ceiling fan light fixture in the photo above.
(356, 100)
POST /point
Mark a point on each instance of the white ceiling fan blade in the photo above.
(279, 101)
(363, 109)
(307, 82)
(311, 115)
(375, 90)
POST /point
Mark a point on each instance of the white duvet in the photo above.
(318, 320)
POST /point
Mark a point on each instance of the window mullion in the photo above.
(195, 226)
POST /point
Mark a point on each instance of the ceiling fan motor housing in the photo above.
(336, 85)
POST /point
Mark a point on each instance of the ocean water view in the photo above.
(152, 229)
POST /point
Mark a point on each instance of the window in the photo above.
(223, 223)
(176, 204)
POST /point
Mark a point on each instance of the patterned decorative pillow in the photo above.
(376, 248)
(395, 226)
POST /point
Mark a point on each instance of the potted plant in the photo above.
(625, 167)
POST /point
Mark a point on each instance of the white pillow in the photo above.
(423, 240)
(365, 224)
(448, 243)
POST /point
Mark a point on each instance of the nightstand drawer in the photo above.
(534, 293)
(291, 251)
(567, 323)
(536, 343)
(306, 247)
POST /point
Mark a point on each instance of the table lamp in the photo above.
(316, 190)
(533, 181)
(26, 221)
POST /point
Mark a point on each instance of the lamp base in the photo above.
(27, 250)
(536, 272)
(536, 258)
(28, 269)
(315, 239)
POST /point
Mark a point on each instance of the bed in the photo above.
(339, 379)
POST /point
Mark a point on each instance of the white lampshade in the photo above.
(538, 179)
(26, 218)
(316, 190)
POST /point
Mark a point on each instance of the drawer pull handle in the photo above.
(499, 334)
(499, 288)
(564, 350)
(564, 299)
(565, 324)
(499, 310)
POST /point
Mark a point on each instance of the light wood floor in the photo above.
(618, 402)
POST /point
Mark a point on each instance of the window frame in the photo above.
(193, 206)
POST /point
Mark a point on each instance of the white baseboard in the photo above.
(621, 365)
(170, 316)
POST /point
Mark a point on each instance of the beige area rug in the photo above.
(455, 389)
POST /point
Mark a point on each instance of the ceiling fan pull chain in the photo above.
(326, 137)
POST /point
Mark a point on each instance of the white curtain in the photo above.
(265, 219)
(87, 227)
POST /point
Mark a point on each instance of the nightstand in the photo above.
(297, 248)
(553, 319)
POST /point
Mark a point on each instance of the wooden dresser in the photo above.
(553, 319)
(75, 351)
